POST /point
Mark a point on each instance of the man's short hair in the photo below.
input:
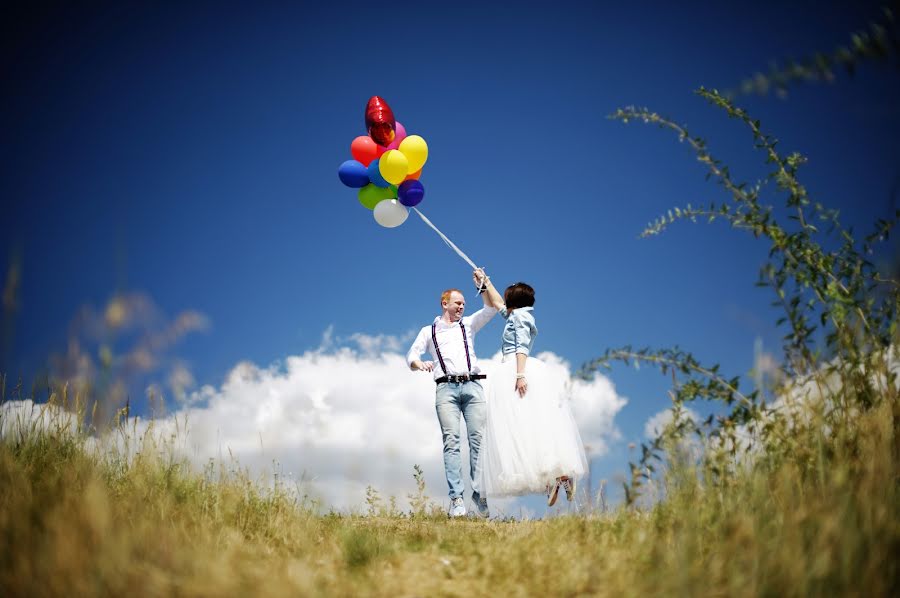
(518, 295)
(445, 296)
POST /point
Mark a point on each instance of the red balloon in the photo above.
(380, 121)
(364, 150)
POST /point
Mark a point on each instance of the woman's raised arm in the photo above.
(490, 294)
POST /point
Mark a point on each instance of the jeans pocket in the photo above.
(440, 394)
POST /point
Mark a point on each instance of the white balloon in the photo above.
(390, 213)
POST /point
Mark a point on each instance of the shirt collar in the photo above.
(439, 321)
(506, 312)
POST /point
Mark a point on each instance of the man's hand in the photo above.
(424, 366)
(478, 277)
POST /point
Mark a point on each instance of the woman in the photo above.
(531, 441)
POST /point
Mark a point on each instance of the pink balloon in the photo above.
(400, 135)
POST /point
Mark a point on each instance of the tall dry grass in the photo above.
(81, 516)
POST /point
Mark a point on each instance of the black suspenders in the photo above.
(438, 351)
(466, 345)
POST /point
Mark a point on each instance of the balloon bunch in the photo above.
(386, 166)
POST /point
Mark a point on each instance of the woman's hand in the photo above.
(521, 387)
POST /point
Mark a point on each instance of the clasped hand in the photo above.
(479, 277)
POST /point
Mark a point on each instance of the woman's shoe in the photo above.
(568, 485)
(552, 493)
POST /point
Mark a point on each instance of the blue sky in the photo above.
(190, 154)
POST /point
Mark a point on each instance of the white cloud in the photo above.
(372, 345)
(345, 418)
(595, 405)
(654, 426)
(793, 403)
(20, 418)
(689, 445)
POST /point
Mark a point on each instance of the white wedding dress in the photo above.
(528, 441)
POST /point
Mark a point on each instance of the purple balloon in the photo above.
(410, 193)
(353, 174)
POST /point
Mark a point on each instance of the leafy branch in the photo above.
(841, 314)
(879, 42)
(668, 360)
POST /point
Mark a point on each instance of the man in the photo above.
(450, 340)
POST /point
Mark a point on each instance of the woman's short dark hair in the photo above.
(518, 295)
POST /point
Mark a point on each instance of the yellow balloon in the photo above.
(393, 166)
(416, 151)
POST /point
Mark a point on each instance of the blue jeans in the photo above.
(453, 399)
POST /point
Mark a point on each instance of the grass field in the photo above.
(80, 517)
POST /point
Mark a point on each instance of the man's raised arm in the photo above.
(490, 294)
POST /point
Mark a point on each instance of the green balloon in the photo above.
(370, 195)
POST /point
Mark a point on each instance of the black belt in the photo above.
(460, 378)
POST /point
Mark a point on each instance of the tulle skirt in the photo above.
(528, 441)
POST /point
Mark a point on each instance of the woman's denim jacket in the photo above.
(519, 331)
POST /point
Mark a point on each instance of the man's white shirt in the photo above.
(450, 339)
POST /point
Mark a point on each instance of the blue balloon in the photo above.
(375, 175)
(353, 174)
(410, 193)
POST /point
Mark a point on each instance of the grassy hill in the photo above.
(79, 516)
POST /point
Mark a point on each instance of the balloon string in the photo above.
(446, 240)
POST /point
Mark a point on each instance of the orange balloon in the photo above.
(414, 176)
(364, 149)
